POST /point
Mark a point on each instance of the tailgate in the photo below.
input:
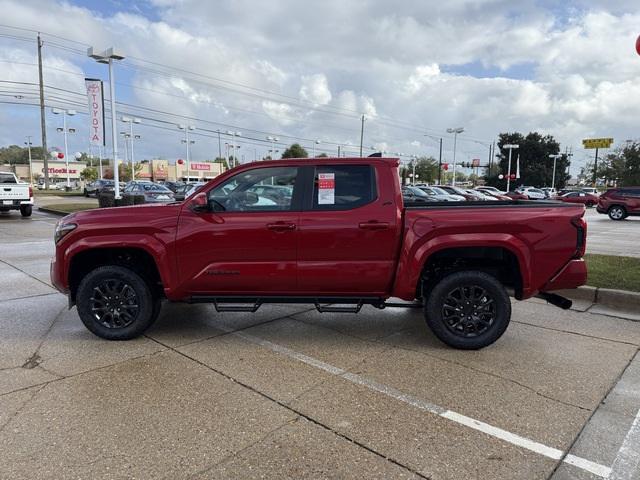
(10, 192)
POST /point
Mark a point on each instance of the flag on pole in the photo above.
(518, 166)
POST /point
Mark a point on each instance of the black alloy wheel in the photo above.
(468, 309)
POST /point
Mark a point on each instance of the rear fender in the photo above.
(415, 255)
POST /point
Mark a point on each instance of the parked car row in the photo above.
(153, 192)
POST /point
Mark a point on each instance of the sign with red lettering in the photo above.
(475, 162)
(200, 166)
(60, 170)
(96, 111)
(326, 188)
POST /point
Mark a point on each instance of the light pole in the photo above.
(555, 157)
(132, 137)
(234, 146)
(510, 147)
(273, 141)
(64, 130)
(107, 57)
(455, 132)
(188, 144)
(316, 142)
(28, 144)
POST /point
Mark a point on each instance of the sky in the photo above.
(307, 71)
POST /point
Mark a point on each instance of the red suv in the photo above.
(619, 203)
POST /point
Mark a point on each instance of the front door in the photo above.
(247, 243)
(348, 232)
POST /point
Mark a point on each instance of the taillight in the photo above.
(581, 241)
(30, 191)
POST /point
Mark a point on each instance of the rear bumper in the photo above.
(573, 275)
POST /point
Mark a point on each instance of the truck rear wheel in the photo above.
(116, 303)
(468, 310)
(25, 210)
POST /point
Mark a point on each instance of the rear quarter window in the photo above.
(343, 187)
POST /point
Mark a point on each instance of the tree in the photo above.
(124, 171)
(622, 167)
(15, 154)
(223, 162)
(426, 170)
(322, 155)
(536, 168)
(89, 174)
(295, 151)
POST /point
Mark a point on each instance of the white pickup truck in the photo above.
(15, 195)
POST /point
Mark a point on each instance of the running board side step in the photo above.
(247, 304)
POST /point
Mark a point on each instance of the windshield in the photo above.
(417, 192)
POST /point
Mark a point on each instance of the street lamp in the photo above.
(64, 130)
(555, 157)
(188, 143)
(28, 144)
(131, 137)
(316, 142)
(455, 132)
(234, 146)
(273, 141)
(107, 57)
(510, 147)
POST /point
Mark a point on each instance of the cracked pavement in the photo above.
(200, 397)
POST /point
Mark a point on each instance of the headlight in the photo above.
(62, 229)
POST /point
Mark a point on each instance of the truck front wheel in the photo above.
(116, 303)
(468, 310)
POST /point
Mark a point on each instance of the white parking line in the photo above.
(626, 466)
(509, 437)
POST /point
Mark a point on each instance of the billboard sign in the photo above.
(597, 142)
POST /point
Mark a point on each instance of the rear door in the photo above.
(349, 229)
(248, 244)
(631, 199)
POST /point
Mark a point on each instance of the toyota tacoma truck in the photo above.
(329, 232)
(15, 195)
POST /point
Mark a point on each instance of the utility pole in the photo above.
(219, 145)
(361, 135)
(440, 164)
(43, 122)
(595, 169)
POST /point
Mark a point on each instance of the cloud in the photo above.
(315, 89)
(310, 69)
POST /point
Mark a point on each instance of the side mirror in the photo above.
(199, 202)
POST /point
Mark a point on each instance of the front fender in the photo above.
(149, 244)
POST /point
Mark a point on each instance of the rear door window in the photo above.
(343, 187)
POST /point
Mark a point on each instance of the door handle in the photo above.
(373, 225)
(281, 226)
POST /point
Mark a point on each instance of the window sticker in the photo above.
(326, 188)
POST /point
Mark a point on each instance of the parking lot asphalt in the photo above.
(290, 393)
(608, 237)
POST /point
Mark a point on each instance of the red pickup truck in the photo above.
(330, 232)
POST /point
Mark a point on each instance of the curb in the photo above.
(606, 301)
(52, 211)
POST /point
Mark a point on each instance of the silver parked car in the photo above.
(153, 192)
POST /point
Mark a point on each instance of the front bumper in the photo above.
(572, 275)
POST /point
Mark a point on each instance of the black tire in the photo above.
(115, 303)
(617, 212)
(488, 310)
(86, 194)
(26, 210)
(590, 204)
